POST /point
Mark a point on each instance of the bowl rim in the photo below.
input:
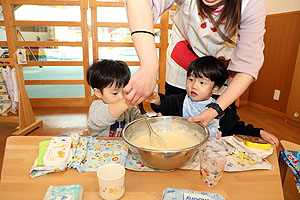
(165, 151)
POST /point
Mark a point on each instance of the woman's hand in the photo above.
(140, 85)
(272, 139)
(205, 117)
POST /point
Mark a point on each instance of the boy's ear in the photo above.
(97, 93)
(215, 89)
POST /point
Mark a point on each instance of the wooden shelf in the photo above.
(25, 118)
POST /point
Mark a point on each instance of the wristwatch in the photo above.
(217, 108)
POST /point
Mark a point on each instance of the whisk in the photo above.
(154, 137)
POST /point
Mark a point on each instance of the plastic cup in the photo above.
(212, 167)
(111, 180)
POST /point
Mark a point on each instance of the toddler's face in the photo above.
(110, 94)
(199, 89)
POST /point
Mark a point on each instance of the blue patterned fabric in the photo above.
(192, 108)
(292, 159)
(89, 153)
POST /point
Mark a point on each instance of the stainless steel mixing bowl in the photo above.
(168, 159)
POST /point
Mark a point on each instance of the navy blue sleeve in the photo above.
(169, 105)
(230, 124)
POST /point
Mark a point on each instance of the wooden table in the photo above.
(286, 145)
(21, 152)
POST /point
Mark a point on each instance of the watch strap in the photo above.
(217, 108)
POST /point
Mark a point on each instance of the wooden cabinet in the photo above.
(293, 106)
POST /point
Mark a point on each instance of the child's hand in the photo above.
(272, 139)
(159, 114)
(153, 98)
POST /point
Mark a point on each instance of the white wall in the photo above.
(281, 6)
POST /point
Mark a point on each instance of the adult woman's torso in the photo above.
(194, 37)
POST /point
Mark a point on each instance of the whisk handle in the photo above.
(141, 107)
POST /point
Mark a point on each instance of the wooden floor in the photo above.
(59, 121)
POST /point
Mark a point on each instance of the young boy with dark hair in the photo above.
(109, 114)
(205, 75)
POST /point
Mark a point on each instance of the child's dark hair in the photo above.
(106, 72)
(209, 67)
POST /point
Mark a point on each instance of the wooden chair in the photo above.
(286, 145)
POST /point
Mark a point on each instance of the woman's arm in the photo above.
(246, 59)
(140, 17)
(143, 81)
(248, 56)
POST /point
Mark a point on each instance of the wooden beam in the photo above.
(47, 43)
(133, 63)
(119, 24)
(115, 44)
(42, 2)
(10, 30)
(121, 44)
(54, 63)
(112, 24)
(163, 51)
(94, 28)
(28, 129)
(26, 115)
(85, 49)
(54, 82)
(58, 102)
(157, 26)
(109, 4)
(46, 23)
(10, 60)
(10, 119)
(3, 43)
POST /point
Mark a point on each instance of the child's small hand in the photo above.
(159, 114)
(153, 98)
(272, 139)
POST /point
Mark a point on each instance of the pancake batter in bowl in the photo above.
(175, 140)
